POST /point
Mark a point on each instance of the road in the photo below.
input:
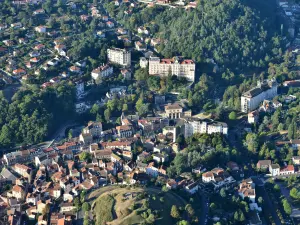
(286, 192)
(204, 207)
(268, 205)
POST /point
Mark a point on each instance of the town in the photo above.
(101, 123)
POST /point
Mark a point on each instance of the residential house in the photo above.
(263, 164)
(247, 189)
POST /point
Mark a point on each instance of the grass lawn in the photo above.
(114, 207)
(104, 209)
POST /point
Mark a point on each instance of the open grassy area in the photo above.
(135, 205)
(104, 209)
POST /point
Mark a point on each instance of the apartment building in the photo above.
(102, 71)
(193, 126)
(176, 66)
(119, 56)
(251, 99)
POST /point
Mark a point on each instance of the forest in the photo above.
(34, 114)
(228, 33)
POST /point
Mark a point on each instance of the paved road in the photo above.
(286, 192)
(268, 204)
(204, 207)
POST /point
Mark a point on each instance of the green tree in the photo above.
(232, 116)
(107, 114)
(252, 142)
(175, 212)
(86, 207)
(85, 156)
(287, 207)
(189, 209)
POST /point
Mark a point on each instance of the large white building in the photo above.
(251, 99)
(119, 56)
(176, 66)
(204, 126)
(102, 71)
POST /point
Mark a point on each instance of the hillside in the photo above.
(135, 206)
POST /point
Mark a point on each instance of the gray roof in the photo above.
(5, 173)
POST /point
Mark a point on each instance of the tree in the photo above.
(287, 207)
(232, 116)
(252, 142)
(70, 134)
(292, 130)
(84, 156)
(294, 193)
(189, 209)
(183, 222)
(180, 139)
(107, 114)
(175, 212)
(223, 193)
(125, 107)
(260, 200)
(277, 188)
(86, 207)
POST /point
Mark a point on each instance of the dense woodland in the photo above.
(229, 32)
(33, 114)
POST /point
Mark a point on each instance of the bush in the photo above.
(232, 116)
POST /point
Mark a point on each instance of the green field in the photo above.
(135, 206)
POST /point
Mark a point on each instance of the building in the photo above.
(263, 164)
(119, 56)
(173, 111)
(247, 189)
(296, 160)
(41, 29)
(176, 66)
(23, 170)
(143, 62)
(253, 117)
(218, 177)
(192, 126)
(124, 131)
(274, 169)
(251, 99)
(102, 71)
(289, 169)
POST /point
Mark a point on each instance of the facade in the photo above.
(124, 131)
(251, 99)
(176, 66)
(253, 117)
(204, 126)
(274, 169)
(119, 56)
(173, 111)
(247, 189)
(102, 71)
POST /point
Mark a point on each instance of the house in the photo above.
(102, 71)
(295, 144)
(274, 169)
(67, 207)
(253, 117)
(289, 169)
(151, 170)
(23, 170)
(124, 131)
(126, 74)
(263, 164)
(18, 192)
(16, 25)
(19, 72)
(160, 158)
(192, 188)
(247, 189)
(139, 46)
(40, 29)
(171, 184)
(74, 69)
(218, 177)
(110, 24)
(296, 160)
